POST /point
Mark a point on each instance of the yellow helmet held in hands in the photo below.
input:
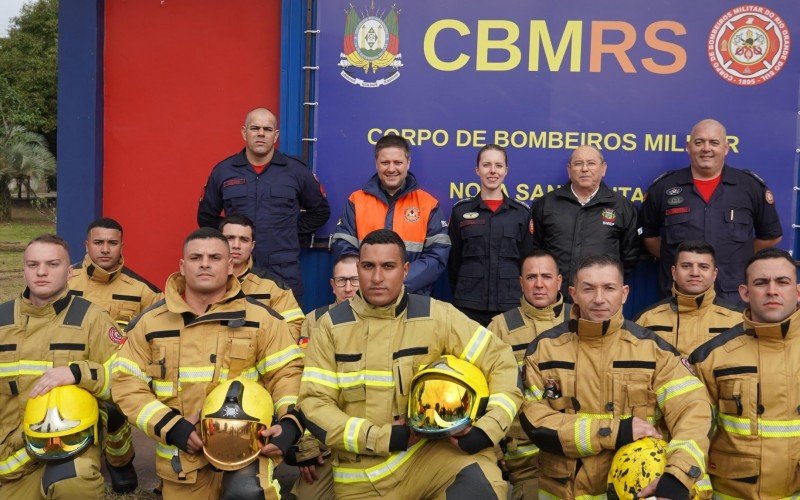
(61, 423)
(636, 465)
(446, 397)
(234, 413)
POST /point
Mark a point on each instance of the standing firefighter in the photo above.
(206, 332)
(51, 340)
(358, 378)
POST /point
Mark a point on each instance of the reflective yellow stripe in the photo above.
(527, 450)
(476, 344)
(105, 390)
(285, 401)
(533, 393)
(722, 496)
(583, 437)
(676, 388)
(607, 416)
(120, 434)
(249, 374)
(280, 358)
(163, 388)
(377, 472)
(125, 365)
(118, 452)
(319, 376)
(546, 495)
(24, 367)
(192, 374)
(504, 402)
(15, 462)
(351, 430)
(591, 497)
(147, 413)
(166, 451)
(376, 378)
(766, 428)
(690, 447)
(703, 484)
(290, 315)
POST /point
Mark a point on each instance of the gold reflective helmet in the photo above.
(446, 397)
(61, 423)
(636, 465)
(233, 415)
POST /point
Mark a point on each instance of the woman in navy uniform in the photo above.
(489, 233)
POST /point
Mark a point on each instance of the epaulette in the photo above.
(7, 313)
(524, 205)
(704, 351)
(756, 177)
(295, 158)
(657, 304)
(318, 312)
(136, 318)
(342, 313)
(513, 319)
(459, 202)
(643, 333)
(552, 333)
(130, 273)
(264, 273)
(419, 306)
(726, 305)
(270, 310)
(668, 172)
(76, 311)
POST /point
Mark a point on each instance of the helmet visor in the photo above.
(440, 407)
(59, 447)
(231, 444)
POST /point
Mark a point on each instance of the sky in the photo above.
(9, 9)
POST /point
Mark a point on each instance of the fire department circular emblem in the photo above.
(411, 214)
(749, 45)
(115, 336)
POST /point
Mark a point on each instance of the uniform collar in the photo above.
(684, 303)
(603, 193)
(240, 160)
(53, 308)
(246, 271)
(228, 307)
(773, 331)
(549, 313)
(373, 187)
(727, 176)
(594, 329)
(367, 310)
(97, 273)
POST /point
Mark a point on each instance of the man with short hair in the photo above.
(541, 308)
(50, 339)
(259, 283)
(585, 217)
(709, 201)
(204, 331)
(277, 192)
(600, 382)
(344, 285)
(693, 314)
(392, 199)
(103, 278)
(752, 373)
(359, 367)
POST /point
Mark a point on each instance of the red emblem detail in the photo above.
(233, 182)
(116, 336)
(302, 343)
(685, 362)
(677, 210)
(530, 226)
(749, 45)
(411, 214)
(768, 197)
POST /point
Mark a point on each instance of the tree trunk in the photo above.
(5, 199)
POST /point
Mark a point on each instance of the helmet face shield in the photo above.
(231, 444)
(59, 447)
(440, 406)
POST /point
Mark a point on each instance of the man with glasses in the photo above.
(585, 217)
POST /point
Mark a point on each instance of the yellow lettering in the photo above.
(522, 192)
(485, 44)
(638, 195)
(429, 45)
(570, 39)
(653, 142)
(456, 190)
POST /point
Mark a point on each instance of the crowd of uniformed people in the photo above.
(532, 376)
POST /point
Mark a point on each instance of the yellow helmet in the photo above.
(61, 423)
(636, 465)
(234, 413)
(446, 396)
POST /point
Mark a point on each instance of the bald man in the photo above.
(270, 188)
(731, 209)
(585, 218)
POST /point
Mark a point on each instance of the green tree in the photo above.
(23, 156)
(28, 67)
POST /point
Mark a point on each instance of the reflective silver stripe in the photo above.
(676, 388)
(351, 431)
(533, 393)
(147, 413)
(125, 365)
(377, 472)
(192, 374)
(295, 314)
(16, 461)
(690, 447)
(346, 237)
(284, 401)
(583, 437)
(441, 239)
(504, 402)
(320, 376)
(166, 451)
(476, 344)
(378, 378)
(278, 359)
(163, 388)
(527, 450)
(414, 247)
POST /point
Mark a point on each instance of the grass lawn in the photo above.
(26, 223)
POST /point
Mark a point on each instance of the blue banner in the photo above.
(542, 78)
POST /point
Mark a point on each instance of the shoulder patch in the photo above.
(419, 306)
(756, 177)
(704, 351)
(668, 172)
(269, 275)
(459, 202)
(258, 303)
(552, 333)
(318, 312)
(136, 318)
(76, 311)
(521, 203)
(644, 334)
(513, 319)
(131, 274)
(726, 305)
(342, 313)
(7, 313)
